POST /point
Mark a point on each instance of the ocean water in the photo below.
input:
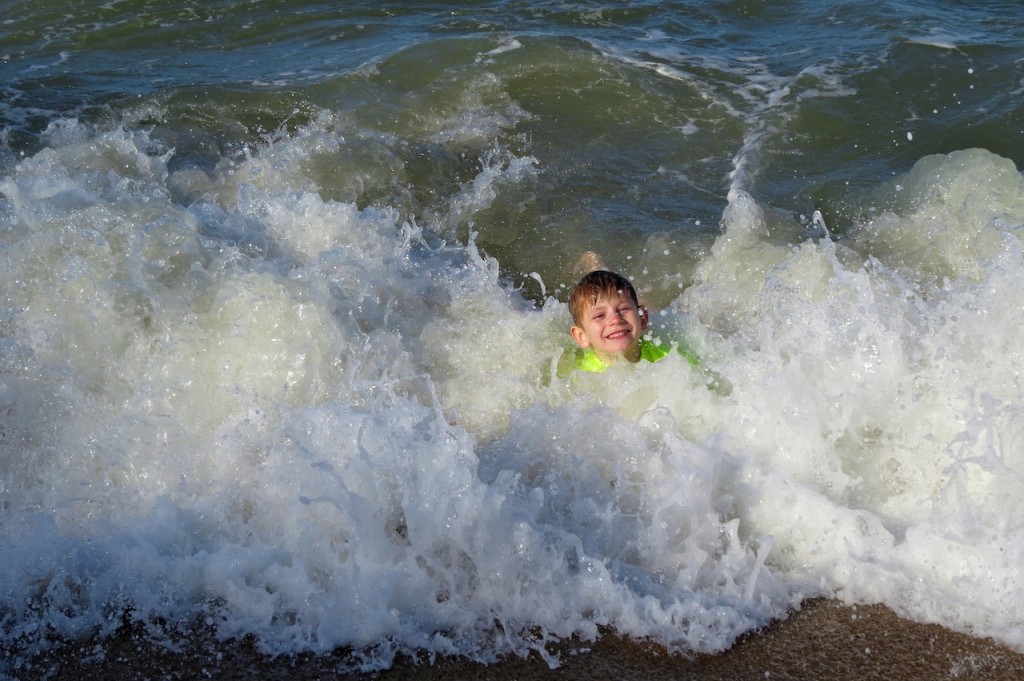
(283, 326)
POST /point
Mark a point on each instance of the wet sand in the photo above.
(822, 641)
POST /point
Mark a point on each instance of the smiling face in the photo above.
(612, 325)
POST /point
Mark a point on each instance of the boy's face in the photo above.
(612, 326)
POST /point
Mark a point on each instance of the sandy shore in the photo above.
(824, 640)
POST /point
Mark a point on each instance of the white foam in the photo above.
(876, 398)
(296, 419)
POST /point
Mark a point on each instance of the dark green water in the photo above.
(640, 118)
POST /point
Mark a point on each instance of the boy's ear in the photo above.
(645, 318)
(580, 336)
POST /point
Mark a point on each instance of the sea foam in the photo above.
(249, 407)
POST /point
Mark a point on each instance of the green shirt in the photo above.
(587, 360)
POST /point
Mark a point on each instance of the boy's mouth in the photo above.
(616, 335)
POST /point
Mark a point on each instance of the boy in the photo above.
(609, 322)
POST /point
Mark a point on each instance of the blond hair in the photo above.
(588, 262)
